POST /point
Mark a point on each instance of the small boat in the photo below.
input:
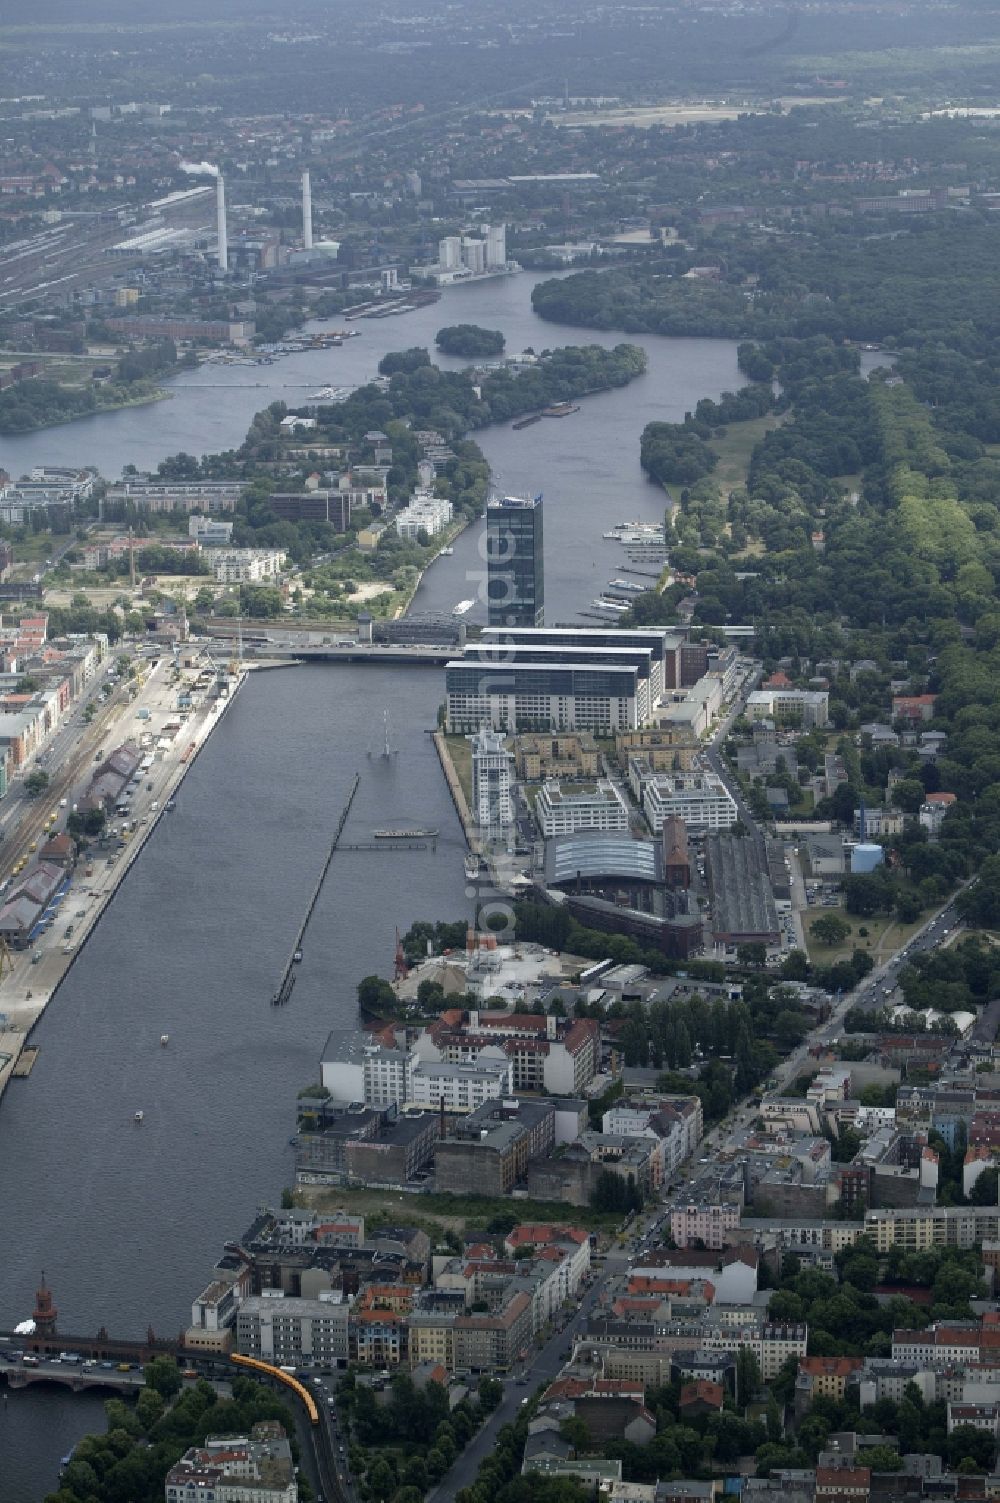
(170, 804)
(413, 834)
(462, 607)
(297, 956)
(138, 1118)
(164, 1040)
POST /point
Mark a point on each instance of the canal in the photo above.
(126, 1220)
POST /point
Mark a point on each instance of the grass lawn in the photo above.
(735, 446)
(460, 752)
(885, 935)
(437, 1213)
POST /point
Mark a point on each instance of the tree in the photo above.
(753, 954)
(748, 1376)
(490, 1393)
(163, 1376)
(149, 1407)
(831, 929)
(469, 341)
(984, 1191)
(36, 782)
(573, 1430)
(375, 994)
(883, 1459)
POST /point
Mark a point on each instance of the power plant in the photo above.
(307, 213)
(220, 209)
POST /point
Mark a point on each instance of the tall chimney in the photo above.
(307, 212)
(220, 209)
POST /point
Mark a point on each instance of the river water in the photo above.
(127, 1221)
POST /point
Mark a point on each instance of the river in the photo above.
(127, 1221)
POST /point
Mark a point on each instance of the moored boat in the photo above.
(406, 834)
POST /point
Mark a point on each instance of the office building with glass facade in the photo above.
(657, 639)
(515, 572)
(541, 696)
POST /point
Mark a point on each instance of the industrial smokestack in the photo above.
(220, 208)
(307, 212)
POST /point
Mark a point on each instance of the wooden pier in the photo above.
(284, 988)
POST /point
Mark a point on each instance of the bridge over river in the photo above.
(76, 1375)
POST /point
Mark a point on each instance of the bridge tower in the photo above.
(45, 1312)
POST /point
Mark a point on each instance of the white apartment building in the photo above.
(674, 1128)
(700, 799)
(246, 565)
(459, 1087)
(771, 1345)
(492, 803)
(588, 806)
(806, 707)
(289, 1331)
(424, 512)
(385, 1074)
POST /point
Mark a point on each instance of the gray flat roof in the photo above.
(602, 853)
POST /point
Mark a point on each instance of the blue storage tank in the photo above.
(866, 857)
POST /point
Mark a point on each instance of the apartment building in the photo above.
(491, 1343)
(701, 1224)
(424, 513)
(700, 799)
(566, 810)
(461, 1087)
(805, 707)
(557, 756)
(828, 1377)
(246, 565)
(293, 1332)
(377, 1337)
(492, 798)
(556, 1056)
(236, 1469)
(917, 1228)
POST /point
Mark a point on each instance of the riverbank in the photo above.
(453, 531)
(457, 792)
(33, 977)
(76, 417)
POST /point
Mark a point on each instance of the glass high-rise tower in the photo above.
(515, 572)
